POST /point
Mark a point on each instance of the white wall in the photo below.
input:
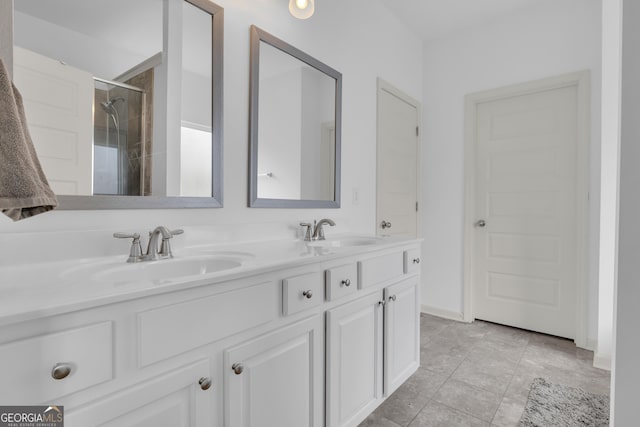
(610, 175)
(360, 38)
(6, 28)
(538, 42)
(626, 369)
(96, 56)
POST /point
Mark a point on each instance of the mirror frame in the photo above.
(257, 36)
(177, 202)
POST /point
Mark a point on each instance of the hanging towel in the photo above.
(24, 190)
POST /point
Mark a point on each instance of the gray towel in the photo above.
(24, 190)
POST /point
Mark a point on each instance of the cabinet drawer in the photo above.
(302, 292)
(379, 269)
(412, 261)
(28, 365)
(174, 329)
(341, 281)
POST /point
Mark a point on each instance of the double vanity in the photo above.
(286, 333)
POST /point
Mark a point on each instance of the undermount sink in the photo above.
(345, 242)
(166, 269)
(154, 271)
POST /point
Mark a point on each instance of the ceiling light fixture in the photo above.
(302, 9)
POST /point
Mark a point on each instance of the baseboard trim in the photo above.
(434, 311)
(602, 361)
(591, 344)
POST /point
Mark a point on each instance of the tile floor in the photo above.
(479, 374)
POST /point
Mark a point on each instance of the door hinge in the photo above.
(416, 206)
(417, 131)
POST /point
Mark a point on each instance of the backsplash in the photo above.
(51, 246)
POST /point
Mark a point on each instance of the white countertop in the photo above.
(29, 291)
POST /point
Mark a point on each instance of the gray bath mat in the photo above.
(552, 404)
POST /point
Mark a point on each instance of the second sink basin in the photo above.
(346, 242)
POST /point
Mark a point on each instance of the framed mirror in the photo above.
(295, 127)
(124, 99)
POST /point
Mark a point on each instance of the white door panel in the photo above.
(397, 170)
(526, 168)
(58, 103)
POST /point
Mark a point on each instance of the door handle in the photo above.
(481, 223)
(385, 224)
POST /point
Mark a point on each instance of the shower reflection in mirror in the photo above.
(119, 140)
(124, 104)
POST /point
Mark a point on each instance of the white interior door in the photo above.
(526, 187)
(58, 103)
(397, 164)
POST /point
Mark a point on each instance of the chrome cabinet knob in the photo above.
(346, 282)
(416, 260)
(205, 383)
(61, 371)
(392, 298)
(481, 223)
(308, 294)
(385, 224)
(237, 368)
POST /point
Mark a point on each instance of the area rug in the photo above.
(552, 404)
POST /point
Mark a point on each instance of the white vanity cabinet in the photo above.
(179, 398)
(277, 379)
(319, 342)
(401, 332)
(354, 359)
(373, 343)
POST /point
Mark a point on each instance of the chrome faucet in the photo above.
(153, 253)
(318, 233)
(315, 231)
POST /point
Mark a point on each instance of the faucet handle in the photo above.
(165, 245)
(135, 253)
(119, 235)
(307, 235)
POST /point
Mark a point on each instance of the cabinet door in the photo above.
(173, 400)
(354, 360)
(277, 379)
(402, 333)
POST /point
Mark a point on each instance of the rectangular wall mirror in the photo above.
(295, 127)
(124, 99)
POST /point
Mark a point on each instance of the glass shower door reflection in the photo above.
(119, 140)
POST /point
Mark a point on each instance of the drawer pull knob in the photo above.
(61, 371)
(346, 282)
(308, 294)
(392, 298)
(237, 368)
(416, 260)
(205, 383)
